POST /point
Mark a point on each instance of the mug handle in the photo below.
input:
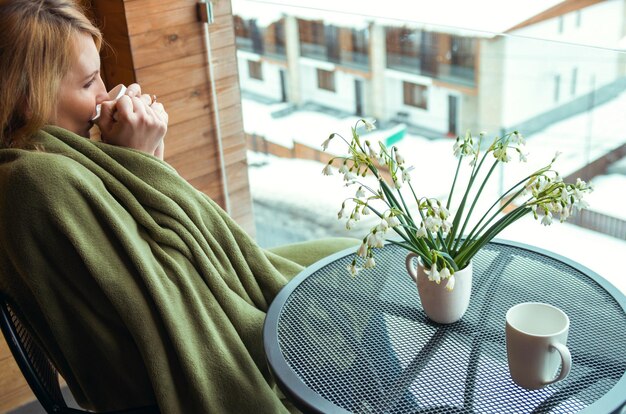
(409, 267)
(566, 358)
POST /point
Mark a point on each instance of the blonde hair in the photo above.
(36, 51)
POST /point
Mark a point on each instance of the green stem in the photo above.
(471, 210)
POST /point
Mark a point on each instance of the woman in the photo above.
(63, 85)
(141, 289)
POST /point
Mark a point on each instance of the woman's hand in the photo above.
(134, 121)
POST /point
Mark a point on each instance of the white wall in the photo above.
(434, 117)
(270, 85)
(531, 65)
(343, 98)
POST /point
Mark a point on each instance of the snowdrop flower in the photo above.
(565, 213)
(370, 125)
(327, 170)
(406, 173)
(450, 284)
(399, 158)
(393, 221)
(501, 154)
(434, 275)
(397, 183)
(376, 239)
(342, 211)
(457, 148)
(445, 273)
(326, 142)
(353, 269)
(350, 176)
(373, 154)
(369, 263)
(366, 210)
(362, 252)
(433, 223)
(547, 219)
(357, 214)
(518, 138)
(523, 157)
(382, 226)
(360, 192)
(349, 224)
(421, 232)
(446, 226)
(343, 169)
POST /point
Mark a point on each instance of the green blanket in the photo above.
(141, 289)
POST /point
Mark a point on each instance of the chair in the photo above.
(41, 375)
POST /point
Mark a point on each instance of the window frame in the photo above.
(409, 90)
(326, 80)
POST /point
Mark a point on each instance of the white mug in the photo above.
(536, 334)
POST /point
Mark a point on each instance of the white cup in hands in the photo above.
(114, 94)
(135, 120)
(536, 334)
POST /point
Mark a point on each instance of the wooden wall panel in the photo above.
(14, 391)
(169, 59)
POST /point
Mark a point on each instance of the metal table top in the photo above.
(341, 344)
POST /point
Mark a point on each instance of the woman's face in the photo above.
(80, 89)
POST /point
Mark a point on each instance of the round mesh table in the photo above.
(341, 344)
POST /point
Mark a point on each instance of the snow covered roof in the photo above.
(484, 18)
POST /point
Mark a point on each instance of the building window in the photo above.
(255, 70)
(326, 80)
(574, 80)
(557, 87)
(415, 95)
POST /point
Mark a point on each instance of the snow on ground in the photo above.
(308, 202)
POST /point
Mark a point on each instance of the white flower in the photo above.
(457, 148)
(343, 169)
(501, 154)
(366, 210)
(433, 223)
(393, 221)
(399, 158)
(353, 269)
(445, 273)
(565, 213)
(362, 252)
(421, 232)
(380, 239)
(369, 263)
(360, 192)
(370, 125)
(373, 154)
(523, 157)
(434, 275)
(341, 212)
(382, 226)
(450, 284)
(446, 226)
(327, 170)
(350, 176)
(547, 219)
(518, 138)
(406, 173)
(398, 183)
(349, 224)
(325, 143)
(357, 214)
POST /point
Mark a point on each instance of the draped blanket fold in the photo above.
(141, 289)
